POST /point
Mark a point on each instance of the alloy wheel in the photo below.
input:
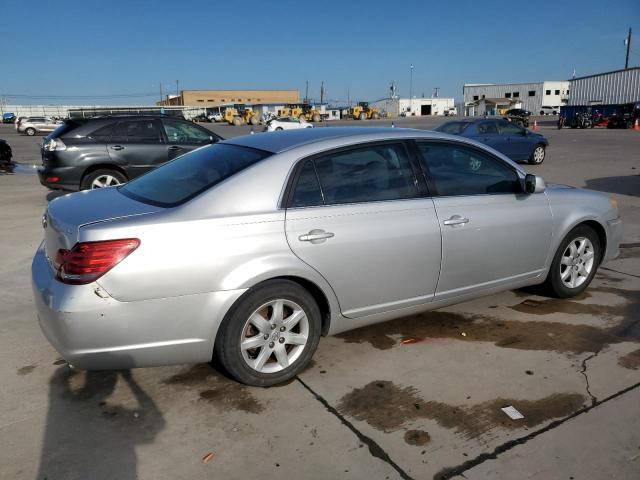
(274, 336)
(104, 181)
(538, 154)
(577, 262)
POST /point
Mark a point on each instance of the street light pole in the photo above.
(411, 90)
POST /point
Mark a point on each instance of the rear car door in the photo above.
(517, 144)
(182, 137)
(358, 217)
(138, 146)
(492, 232)
(487, 133)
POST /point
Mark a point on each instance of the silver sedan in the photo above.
(251, 249)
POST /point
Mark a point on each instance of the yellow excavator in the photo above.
(363, 111)
(239, 114)
(302, 111)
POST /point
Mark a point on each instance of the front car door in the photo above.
(518, 144)
(138, 146)
(182, 137)
(487, 133)
(492, 233)
(358, 217)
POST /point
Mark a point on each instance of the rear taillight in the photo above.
(54, 145)
(88, 261)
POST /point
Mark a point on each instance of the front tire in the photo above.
(30, 131)
(575, 263)
(270, 335)
(537, 156)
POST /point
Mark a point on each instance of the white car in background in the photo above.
(287, 123)
(545, 110)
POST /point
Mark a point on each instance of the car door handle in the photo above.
(315, 236)
(174, 147)
(117, 147)
(456, 220)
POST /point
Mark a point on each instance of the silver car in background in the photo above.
(251, 249)
(32, 125)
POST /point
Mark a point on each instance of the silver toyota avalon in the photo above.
(251, 249)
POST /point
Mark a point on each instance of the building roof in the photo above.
(604, 73)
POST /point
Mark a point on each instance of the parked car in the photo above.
(5, 151)
(104, 151)
(215, 117)
(287, 123)
(252, 248)
(8, 117)
(517, 143)
(545, 110)
(202, 118)
(451, 112)
(33, 125)
(518, 116)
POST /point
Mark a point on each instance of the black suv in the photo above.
(100, 152)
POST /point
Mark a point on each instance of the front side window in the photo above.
(508, 128)
(191, 174)
(367, 174)
(487, 128)
(457, 170)
(137, 131)
(182, 132)
(452, 128)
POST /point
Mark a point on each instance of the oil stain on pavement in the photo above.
(217, 389)
(26, 370)
(630, 360)
(524, 335)
(388, 407)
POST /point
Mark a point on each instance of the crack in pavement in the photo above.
(618, 271)
(449, 472)
(374, 448)
(583, 371)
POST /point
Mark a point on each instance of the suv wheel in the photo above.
(270, 335)
(102, 178)
(30, 131)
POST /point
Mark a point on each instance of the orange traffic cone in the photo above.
(636, 126)
(535, 125)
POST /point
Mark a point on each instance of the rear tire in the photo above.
(278, 129)
(287, 315)
(568, 258)
(102, 178)
(363, 116)
(237, 122)
(30, 131)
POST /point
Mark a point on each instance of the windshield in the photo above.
(453, 128)
(191, 174)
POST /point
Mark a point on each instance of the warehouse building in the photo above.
(609, 88)
(416, 107)
(209, 98)
(531, 96)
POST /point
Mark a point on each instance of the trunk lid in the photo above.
(66, 215)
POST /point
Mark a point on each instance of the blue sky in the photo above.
(116, 47)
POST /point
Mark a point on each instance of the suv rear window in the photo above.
(191, 174)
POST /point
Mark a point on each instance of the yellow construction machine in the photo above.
(240, 114)
(363, 111)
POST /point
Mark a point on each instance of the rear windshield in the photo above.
(191, 174)
(453, 128)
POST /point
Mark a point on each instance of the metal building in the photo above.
(532, 96)
(617, 87)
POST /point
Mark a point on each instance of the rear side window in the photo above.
(191, 174)
(452, 128)
(508, 128)
(137, 131)
(102, 134)
(367, 174)
(457, 170)
(307, 192)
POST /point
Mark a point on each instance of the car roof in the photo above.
(277, 142)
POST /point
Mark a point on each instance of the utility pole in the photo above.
(435, 92)
(177, 92)
(322, 92)
(161, 96)
(306, 92)
(411, 90)
(348, 97)
(628, 43)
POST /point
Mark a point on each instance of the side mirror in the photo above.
(533, 184)
(525, 132)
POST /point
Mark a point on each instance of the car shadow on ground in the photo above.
(93, 427)
(624, 185)
(53, 194)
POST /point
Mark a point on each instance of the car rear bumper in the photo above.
(66, 178)
(93, 331)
